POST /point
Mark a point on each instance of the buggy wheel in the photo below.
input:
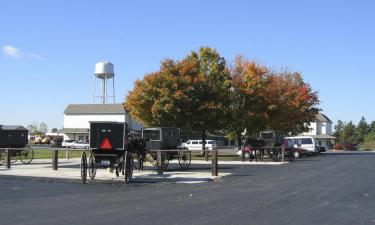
(257, 156)
(184, 159)
(83, 168)
(2, 157)
(92, 166)
(275, 155)
(27, 156)
(14, 157)
(165, 162)
(137, 161)
(128, 167)
(290, 155)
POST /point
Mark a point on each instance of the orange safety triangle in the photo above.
(106, 144)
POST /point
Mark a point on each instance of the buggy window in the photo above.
(151, 135)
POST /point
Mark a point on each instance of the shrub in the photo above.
(338, 147)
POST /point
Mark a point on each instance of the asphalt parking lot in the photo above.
(332, 188)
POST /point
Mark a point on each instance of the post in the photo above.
(214, 164)
(67, 153)
(243, 154)
(55, 159)
(282, 153)
(159, 161)
(7, 158)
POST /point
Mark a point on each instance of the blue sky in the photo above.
(49, 48)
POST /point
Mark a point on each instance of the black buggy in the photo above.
(166, 139)
(15, 138)
(109, 149)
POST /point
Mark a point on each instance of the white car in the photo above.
(196, 145)
(67, 143)
(306, 142)
(79, 144)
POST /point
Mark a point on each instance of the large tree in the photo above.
(191, 94)
(247, 106)
(292, 104)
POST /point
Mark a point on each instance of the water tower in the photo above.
(104, 72)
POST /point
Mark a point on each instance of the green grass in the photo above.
(47, 154)
(370, 145)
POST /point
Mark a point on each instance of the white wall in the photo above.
(82, 121)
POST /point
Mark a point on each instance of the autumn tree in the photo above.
(292, 104)
(191, 94)
(247, 106)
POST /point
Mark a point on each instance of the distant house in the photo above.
(77, 118)
(321, 131)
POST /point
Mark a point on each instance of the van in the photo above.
(196, 145)
(305, 142)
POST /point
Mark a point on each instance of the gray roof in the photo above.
(320, 117)
(94, 109)
(323, 136)
(12, 127)
(74, 130)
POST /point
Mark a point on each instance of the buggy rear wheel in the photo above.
(128, 167)
(291, 155)
(27, 156)
(165, 160)
(184, 159)
(92, 166)
(84, 168)
(2, 157)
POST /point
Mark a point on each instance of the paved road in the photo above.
(327, 189)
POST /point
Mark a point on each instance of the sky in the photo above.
(49, 48)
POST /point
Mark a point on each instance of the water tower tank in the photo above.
(104, 70)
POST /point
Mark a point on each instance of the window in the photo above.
(307, 141)
(194, 142)
(200, 142)
(151, 135)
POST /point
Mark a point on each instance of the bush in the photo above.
(338, 147)
(345, 146)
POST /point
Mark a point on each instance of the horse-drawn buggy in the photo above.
(108, 149)
(15, 139)
(270, 144)
(275, 143)
(166, 140)
(111, 147)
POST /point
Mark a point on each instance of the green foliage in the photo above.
(350, 133)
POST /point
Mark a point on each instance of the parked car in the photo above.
(306, 142)
(67, 143)
(196, 145)
(79, 144)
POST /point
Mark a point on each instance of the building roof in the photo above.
(12, 127)
(320, 117)
(74, 131)
(94, 109)
(323, 136)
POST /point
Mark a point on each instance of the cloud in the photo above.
(12, 52)
(16, 53)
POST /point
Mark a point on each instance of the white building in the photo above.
(321, 131)
(77, 118)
